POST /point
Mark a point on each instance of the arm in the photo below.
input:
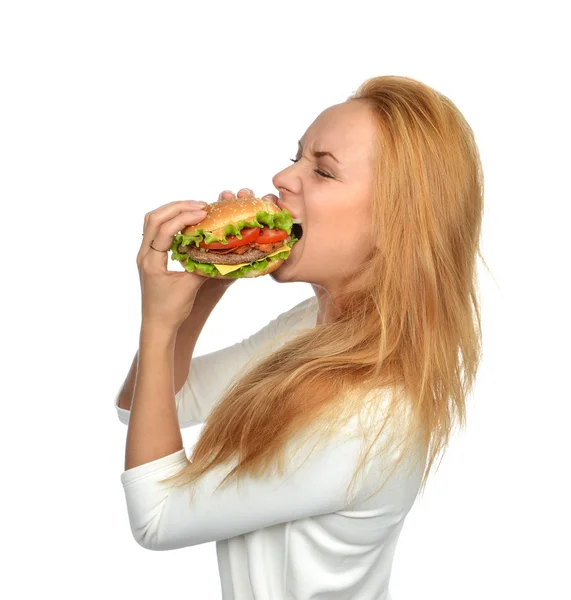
(315, 480)
(309, 487)
(153, 426)
(207, 298)
(165, 519)
(210, 374)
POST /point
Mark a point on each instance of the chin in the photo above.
(289, 271)
(280, 275)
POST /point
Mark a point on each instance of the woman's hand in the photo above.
(167, 297)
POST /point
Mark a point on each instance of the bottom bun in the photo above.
(253, 273)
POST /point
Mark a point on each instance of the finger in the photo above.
(226, 195)
(167, 211)
(157, 261)
(159, 223)
(246, 193)
(154, 218)
(271, 197)
(164, 238)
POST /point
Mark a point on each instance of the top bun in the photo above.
(226, 212)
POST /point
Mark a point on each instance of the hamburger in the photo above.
(239, 237)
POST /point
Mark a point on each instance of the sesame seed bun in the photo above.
(227, 212)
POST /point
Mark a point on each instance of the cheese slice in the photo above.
(229, 268)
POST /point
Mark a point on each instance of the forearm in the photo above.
(153, 430)
(206, 299)
(188, 333)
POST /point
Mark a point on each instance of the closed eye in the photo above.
(322, 173)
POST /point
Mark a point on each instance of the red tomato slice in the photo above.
(269, 236)
(250, 234)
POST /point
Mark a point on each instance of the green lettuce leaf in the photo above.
(212, 271)
(280, 220)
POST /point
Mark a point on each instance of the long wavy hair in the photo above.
(405, 345)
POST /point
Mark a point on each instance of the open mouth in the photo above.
(297, 230)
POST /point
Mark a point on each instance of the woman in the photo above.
(356, 389)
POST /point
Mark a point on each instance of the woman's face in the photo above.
(334, 209)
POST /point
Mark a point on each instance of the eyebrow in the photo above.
(319, 154)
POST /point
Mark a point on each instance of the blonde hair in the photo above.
(407, 339)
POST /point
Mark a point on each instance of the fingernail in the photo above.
(220, 195)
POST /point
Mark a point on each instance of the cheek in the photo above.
(344, 210)
(324, 235)
(340, 229)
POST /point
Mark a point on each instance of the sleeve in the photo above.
(210, 374)
(165, 519)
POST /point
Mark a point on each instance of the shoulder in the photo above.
(301, 315)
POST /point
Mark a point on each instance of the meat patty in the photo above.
(231, 258)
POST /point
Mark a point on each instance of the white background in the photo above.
(111, 109)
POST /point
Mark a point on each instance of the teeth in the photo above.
(297, 221)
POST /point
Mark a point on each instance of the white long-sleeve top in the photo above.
(288, 537)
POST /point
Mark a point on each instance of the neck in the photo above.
(326, 305)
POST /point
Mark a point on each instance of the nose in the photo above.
(280, 181)
(289, 186)
(279, 185)
(276, 180)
